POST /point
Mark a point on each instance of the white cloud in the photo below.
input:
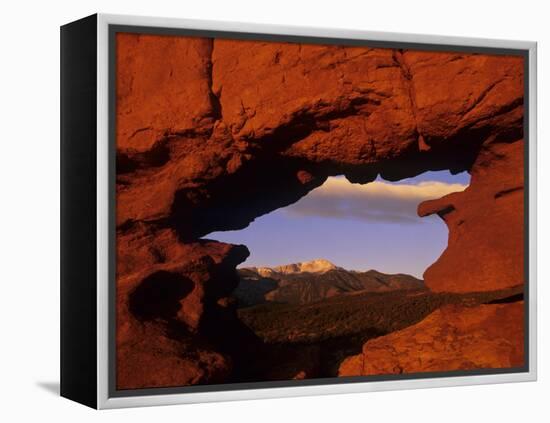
(377, 201)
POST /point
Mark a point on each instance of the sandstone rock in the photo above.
(155, 96)
(451, 338)
(458, 95)
(320, 97)
(327, 109)
(155, 359)
(485, 224)
(164, 288)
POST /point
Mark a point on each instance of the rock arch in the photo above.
(214, 133)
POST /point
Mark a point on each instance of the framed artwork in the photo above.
(254, 211)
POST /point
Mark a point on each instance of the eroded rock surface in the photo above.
(451, 338)
(485, 225)
(164, 290)
(214, 133)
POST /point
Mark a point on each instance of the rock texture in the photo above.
(214, 133)
(485, 225)
(164, 289)
(451, 338)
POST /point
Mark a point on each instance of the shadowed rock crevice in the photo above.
(511, 299)
(508, 191)
(158, 296)
(157, 156)
(214, 97)
(400, 61)
(259, 187)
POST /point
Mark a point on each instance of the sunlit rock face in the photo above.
(485, 224)
(214, 133)
(451, 338)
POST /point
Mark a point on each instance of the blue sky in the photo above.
(361, 227)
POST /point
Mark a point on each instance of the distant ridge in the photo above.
(311, 281)
(313, 266)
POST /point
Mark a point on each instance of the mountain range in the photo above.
(311, 281)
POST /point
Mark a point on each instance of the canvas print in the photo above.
(299, 210)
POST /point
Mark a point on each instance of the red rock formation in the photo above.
(155, 359)
(485, 226)
(214, 133)
(163, 290)
(451, 338)
(163, 89)
(349, 110)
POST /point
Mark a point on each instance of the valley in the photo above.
(325, 316)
